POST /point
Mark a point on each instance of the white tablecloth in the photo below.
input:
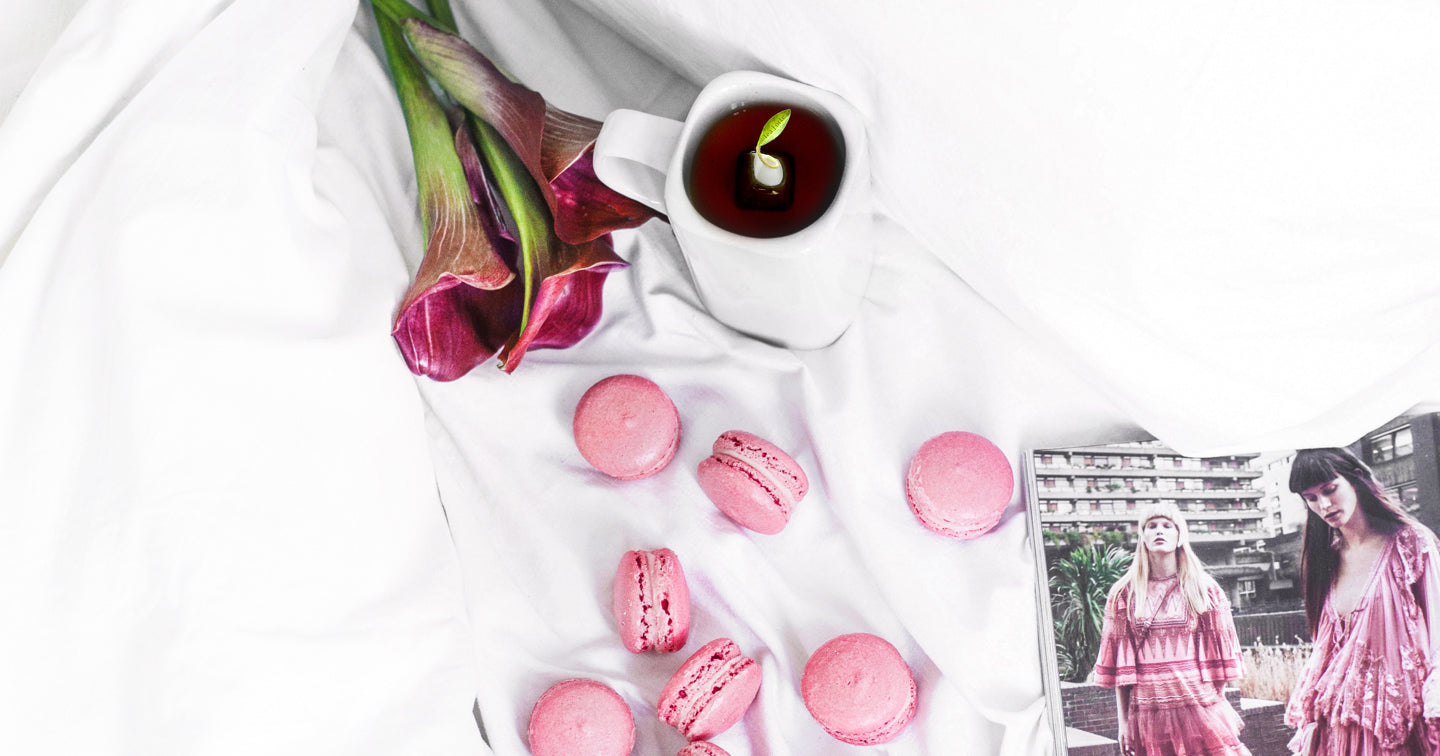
(233, 523)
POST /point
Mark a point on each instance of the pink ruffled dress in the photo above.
(1174, 661)
(1363, 691)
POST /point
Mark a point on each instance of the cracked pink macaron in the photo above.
(752, 481)
(711, 691)
(652, 601)
(626, 427)
(859, 689)
(702, 748)
(959, 484)
(581, 716)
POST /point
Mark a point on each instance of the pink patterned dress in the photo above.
(1362, 693)
(1174, 662)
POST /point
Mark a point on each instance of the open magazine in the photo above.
(1242, 524)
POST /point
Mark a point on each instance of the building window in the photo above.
(1247, 588)
(1392, 445)
(1409, 497)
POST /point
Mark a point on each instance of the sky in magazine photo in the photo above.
(1242, 526)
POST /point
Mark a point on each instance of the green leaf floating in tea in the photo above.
(772, 129)
(765, 182)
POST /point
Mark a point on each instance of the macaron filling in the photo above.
(772, 467)
(721, 676)
(702, 748)
(704, 679)
(652, 601)
(752, 481)
(659, 620)
(760, 476)
(743, 495)
(763, 477)
(644, 569)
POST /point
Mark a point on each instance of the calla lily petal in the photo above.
(454, 326)
(446, 325)
(566, 137)
(540, 214)
(560, 282)
(483, 191)
(549, 142)
(589, 208)
(567, 302)
(457, 240)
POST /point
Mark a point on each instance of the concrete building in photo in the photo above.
(1403, 454)
(1093, 490)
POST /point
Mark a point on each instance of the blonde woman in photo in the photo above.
(1168, 647)
(1371, 576)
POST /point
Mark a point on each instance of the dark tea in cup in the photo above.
(811, 147)
(789, 268)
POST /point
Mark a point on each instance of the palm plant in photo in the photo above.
(1079, 584)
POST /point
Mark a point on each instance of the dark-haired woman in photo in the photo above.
(1371, 577)
(1168, 647)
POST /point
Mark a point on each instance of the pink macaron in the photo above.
(711, 691)
(581, 716)
(752, 481)
(627, 427)
(959, 484)
(652, 601)
(859, 689)
(702, 748)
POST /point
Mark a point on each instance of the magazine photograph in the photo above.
(1267, 603)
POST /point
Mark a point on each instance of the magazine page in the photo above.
(1176, 593)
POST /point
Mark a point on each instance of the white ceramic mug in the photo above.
(799, 291)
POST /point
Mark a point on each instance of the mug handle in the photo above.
(633, 152)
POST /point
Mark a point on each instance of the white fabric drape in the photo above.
(231, 522)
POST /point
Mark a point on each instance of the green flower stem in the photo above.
(441, 11)
(527, 205)
(431, 141)
(448, 213)
(399, 10)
